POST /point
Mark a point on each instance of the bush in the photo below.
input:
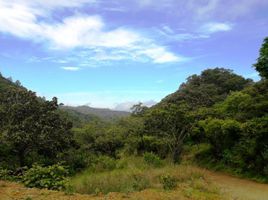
(104, 163)
(51, 177)
(6, 175)
(152, 159)
(169, 182)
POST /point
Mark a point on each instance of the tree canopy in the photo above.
(262, 63)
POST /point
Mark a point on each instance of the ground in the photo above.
(231, 189)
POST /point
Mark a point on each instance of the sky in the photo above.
(114, 53)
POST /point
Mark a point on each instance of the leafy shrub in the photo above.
(6, 174)
(51, 177)
(152, 159)
(77, 159)
(105, 163)
(169, 182)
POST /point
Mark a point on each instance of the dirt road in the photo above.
(239, 189)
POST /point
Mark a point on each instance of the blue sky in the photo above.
(113, 53)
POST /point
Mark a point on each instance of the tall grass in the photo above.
(134, 174)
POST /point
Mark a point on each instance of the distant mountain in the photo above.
(102, 113)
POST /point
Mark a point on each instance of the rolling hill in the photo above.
(102, 113)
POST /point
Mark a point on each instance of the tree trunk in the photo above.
(177, 153)
(21, 156)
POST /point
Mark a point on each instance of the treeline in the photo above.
(218, 107)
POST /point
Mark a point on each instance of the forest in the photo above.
(216, 120)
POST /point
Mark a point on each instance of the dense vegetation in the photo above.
(218, 109)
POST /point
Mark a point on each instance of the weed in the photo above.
(168, 182)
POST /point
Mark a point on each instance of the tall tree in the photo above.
(32, 126)
(170, 122)
(262, 63)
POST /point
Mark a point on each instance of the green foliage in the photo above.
(7, 83)
(100, 138)
(138, 109)
(171, 123)
(222, 134)
(104, 163)
(168, 182)
(262, 62)
(212, 86)
(152, 159)
(76, 159)
(113, 181)
(239, 139)
(32, 128)
(51, 177)
(6, 174)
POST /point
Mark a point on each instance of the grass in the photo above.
(134, 174)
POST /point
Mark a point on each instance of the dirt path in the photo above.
(239, 189)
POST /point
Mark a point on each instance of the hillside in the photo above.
(89, 112)
(6, 84)
(208, 88)
(77, 115)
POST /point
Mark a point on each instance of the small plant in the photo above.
(168, 182)
(105, 163)
(140, 182)
(51, 177)
(152, 159)
(6, 175)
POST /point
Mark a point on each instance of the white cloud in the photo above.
(41, 5)
(71, 68)
(126, 106)
(21, 19)
(160, 55)
(87, 31)
(215, 27)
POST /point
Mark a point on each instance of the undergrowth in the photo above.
(201, 155)
(135, 174)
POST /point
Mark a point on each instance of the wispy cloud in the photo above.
(71, 68)
(214, 27)
(159, 55)
(126, 106)
(78, 31)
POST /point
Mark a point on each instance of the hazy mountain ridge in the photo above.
(102, 113)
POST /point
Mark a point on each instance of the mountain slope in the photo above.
(102, 113)
(208, 88)
(6, 84)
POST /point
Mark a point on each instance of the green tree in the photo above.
(222, 134)
(262, 63)
(172, 123)
(138, 109)
(32, 127)
(212, 86)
